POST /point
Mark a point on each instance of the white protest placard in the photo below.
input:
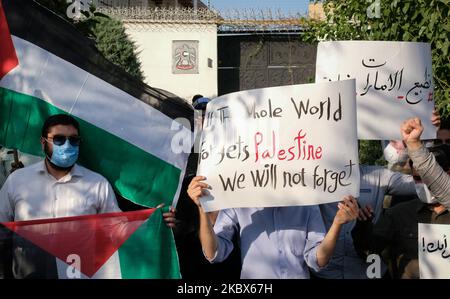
(393, 83)
(434, 253)
(280, 146)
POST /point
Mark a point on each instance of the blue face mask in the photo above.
(64, 155)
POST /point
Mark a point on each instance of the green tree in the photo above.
(114, 44)
(108, 33)
(370, 152)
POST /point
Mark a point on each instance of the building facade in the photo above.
(177, 46)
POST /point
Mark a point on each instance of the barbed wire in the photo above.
(226, 20)
(171, 27)
(161, 15)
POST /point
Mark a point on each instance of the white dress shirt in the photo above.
(32, 193)
(278, 242)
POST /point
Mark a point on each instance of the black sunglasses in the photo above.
(61, 139)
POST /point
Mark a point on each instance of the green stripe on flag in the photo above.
(137, 175)
(150, 252)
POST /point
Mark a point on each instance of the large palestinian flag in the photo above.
(48, 67)
(114, 245)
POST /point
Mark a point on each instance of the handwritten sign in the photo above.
(434, 252)
(280, 146)
(393, 83)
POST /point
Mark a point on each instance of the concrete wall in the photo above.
(154, 42)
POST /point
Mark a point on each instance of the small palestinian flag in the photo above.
(113, 245)
(48, 67)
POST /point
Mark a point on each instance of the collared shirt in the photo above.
(375, 183)
(275, 242)
(398, 229)
(32, 193)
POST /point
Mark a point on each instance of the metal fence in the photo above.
(229, 20)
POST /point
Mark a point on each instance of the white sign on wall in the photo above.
(280, 146)
(434, 252)
(185, 57)
(393, 83)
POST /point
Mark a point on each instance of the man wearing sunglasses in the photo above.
(53, 188)
(57, 186)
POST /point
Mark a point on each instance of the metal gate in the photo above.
(248, 61)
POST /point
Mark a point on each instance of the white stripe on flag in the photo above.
(66, 86)
(110, 270)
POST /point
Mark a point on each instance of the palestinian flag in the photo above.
(112, 245)
(48, 67)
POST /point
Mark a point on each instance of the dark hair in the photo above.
(199, 102)
(59, 119)
(197, 96)
(441, 154)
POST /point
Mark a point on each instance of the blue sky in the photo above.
(293, 6)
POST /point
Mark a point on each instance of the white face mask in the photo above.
(424, 194)
(394, 156)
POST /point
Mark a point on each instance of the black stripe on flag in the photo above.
(22, 259)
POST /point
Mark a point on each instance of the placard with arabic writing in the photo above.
(393, 83)
(434, 250)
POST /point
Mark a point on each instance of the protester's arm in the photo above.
(425, 164)
(216, 243)
(432, 174)
(206, 231)
(207, 236)
(402, 184)
(315, 234)
(348, 211)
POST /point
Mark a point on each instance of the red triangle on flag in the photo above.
(8, 56)
(94, 238)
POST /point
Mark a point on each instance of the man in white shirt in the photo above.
(55, 187)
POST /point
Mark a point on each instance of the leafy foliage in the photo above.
(114, 44)
(371, 152)
(108, 33)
